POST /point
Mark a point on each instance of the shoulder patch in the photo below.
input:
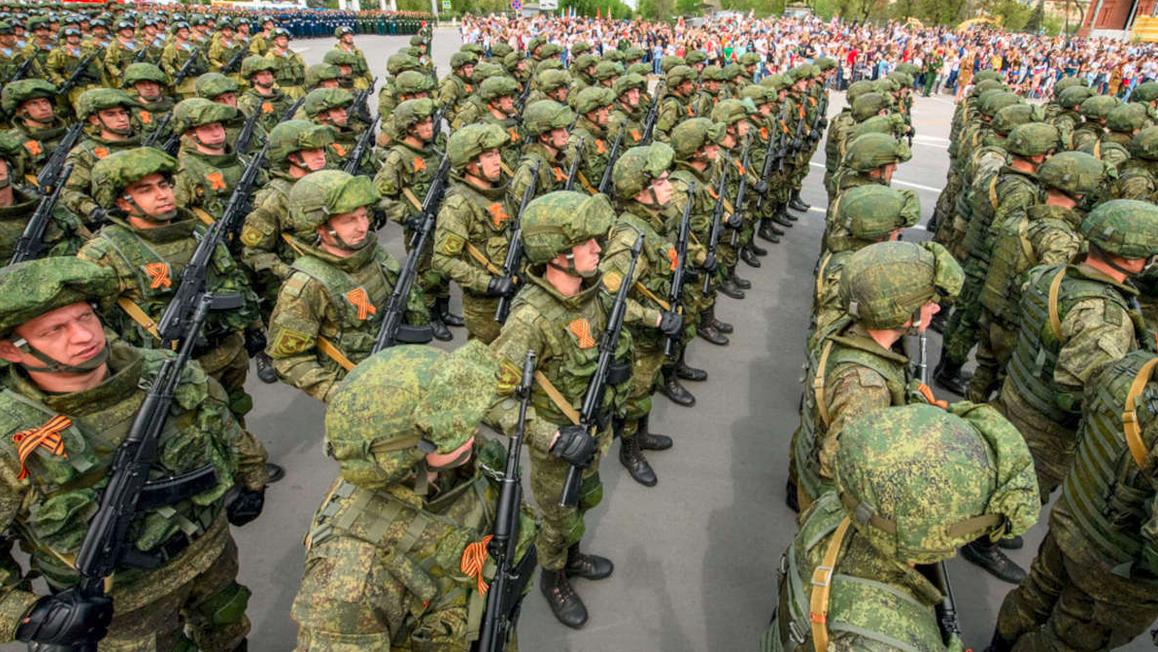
(612, 281)
(288, 342)
(250, 236)
(451, 244)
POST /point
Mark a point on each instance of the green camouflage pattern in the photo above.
(111, 175)
(96, 99)
(320, 195)
(884, 284)
(34, 287)
(873, 150)
(556, 222)
(1074, 173)
(1033, 139)
(638, 166)
(1124, 227)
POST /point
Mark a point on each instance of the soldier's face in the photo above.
(7, 40)
(345, 70)
(311, 159)
(263, 78)
(70, 335)
(350, 227)
(630, 97)
(348, 39)
(559, 94)
(558, 138)
(685, 87)
(42, 33)
(585, 257)
(467, 71)
(182, 34)
(72, 39)
(148, 90)
(228, 99)
(659, 192)
(38, 109)
(281, 42)
(506, 104)
(329, 83)
(150, 197)
(126, 33)
(210, 136)
(336, 116)
(490, 165)
(711, 151)
(599, 116)
(425, 129)
(115, 120)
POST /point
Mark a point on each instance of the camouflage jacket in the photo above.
(62, 237)
(204, 182)
(651, 283)
(1137, 179)
(472, 235)
(453, 91)
(174, 57)
(118, 56)
(674, 109)
(271, 107)
(39, 143)
(289, 71)
(148, 117)
(76, 195)
(265, 248)
(362, 74)
(591, 142)
(552, 172)
(62, 62)
(406, 173)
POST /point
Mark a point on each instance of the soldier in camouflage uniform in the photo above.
(497, 95)
(643, 190)
(361, 74)
(109, 129)
(218, 88)
(458, 85)
(838, 133)
(396, 65)
(711, 90)
(628, 112)
(871, 159)
(545, 124)
(410, 85)
(227, 49)
(29, 102)
(1138, 177)
(177, 53)
(678, 102)
(560, 315)
(323, 75)
(552, 85)
(1094, 111)
(886, 288)
(209, 168)
(406, 175)
(404, 430)
(852, 579)
(1068, 115)
(289, 69)
(330, 308)
(590, 139)
(67, 384)
(65, 59)
(63, 233)
(473, 229)
(122, 51)
(146, 83)
(1092, 584)
(262, 95)
(332, 107)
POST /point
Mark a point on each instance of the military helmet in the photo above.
(729, 112)
(633, 54)
(803, 71)
(466, 144)
(859, 88)
(993, 101)
(1099, 106)
(511, 61)
(608, 70)
(99, 99)
(412, 82)
(198, 111)
(320, 72)
(986, 85)
(214, 84)
(986, 76)
(499, 49)
(1126, 118)
(884, 284)
(868, 105)
(473, 48)
(640, 68)
(638, 166)
(342, 30)
(1005, 119)
(117, 171)
(318, 196)
(679, 75)
(671, 61)
(1032, 139)
(1074, 173)
(694, 57)
(18, 92)
(1074, 96)
(397, 63)
(254, 64)
(690, 136)
(460, 59)
(758, 94)
(142, 71)
(886, 85)
(872, 212)
(484, 70)
(579, 48)
(776, 82)
(1124, 227)
(545, 115)
(872, 151)
(906, 68)
(1147, 92)
(613, 55)
(627, 82)
(324, 99)
(294, 136)
(548, 64)
(34, 287)
(550, 80)
(550, 50)
(903, 79)
(1067, 82)
(409, 113)
(557, 221)
(824, 64)
(918, 481)
(749, 59)
(1144, 145)
(583, 62)
(892, 124)
(593, 98)
(494, 88)
(712, 73)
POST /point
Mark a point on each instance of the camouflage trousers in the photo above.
(434, 284)
(228, 363)
(349, 601)
(479, 314)
(1051, 444)
(210, 607)
(648, 359)
(994, 348)
(1067, 604)
(946, 202)
(563, 527)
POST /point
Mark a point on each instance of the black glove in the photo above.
(98, 216)
(575, 445)
(414, 222)
(66, 619)
(671, 323)
(500, 286)
(246, 507)
(709, 265)
(254, 342)
(761, 188)
(735, 220)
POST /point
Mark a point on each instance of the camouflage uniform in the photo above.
(627, 118)
(38, 143)
(77, 195)
(867, 154)
(456, 87)
(676, 105)
(589, 140)
(849, 580)
(174, 58)
(838, 134)
(329, 310)
(271, 107)
(1067, 116)
(150, 114)
(63, 61)
(289, 68)
(204, 182)
(1094, 111)
(346, 136)
(540, 118)
(118, 55)
(49, 497)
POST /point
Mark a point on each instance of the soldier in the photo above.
(40, 45)
(323, 75)
(263, 96)
(560, 315)
(226, 49)
(838, 133)
(1092, 582)
(628, 113)
(361, 70)
(678, 102)
(146, 83)
(711, 90)
(110, 129)
(331, 107)
(498, 94)
(122, 51)
(1094, 111)
(734, 114)
(73, 392)
(260, 43)
(643, 190)
(410, 85)
(329, 310)
(34, 120)
(418, 459)
(871, 159)
(11, 58)
(406, 175)
(552, 85)
(179, 53)
(886, 288)
(589, 137)
(458, 85)
(1068, 115)
(396, 64)
(545, 124)
(67, 59)
(1138, 177)
(583, 71)
(209, 168)
(63, 233)
(860, 549)
(221, 89)
(289, 69)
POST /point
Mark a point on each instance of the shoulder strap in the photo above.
(993, 192)
(1055, 324)
(822, 587)
(818, 382)
(821, 269)
(557, 398)
(1130, 416)
(139, 315)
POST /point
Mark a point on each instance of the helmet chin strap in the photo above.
(342, 244)
(570, 268)
(57, 367)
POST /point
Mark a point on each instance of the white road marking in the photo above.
(895, 180)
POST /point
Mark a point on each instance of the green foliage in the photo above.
(590, 7)
(1013, 14)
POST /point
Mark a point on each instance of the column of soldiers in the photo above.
(1043, 241)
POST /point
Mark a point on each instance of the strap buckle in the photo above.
(796, 635)
(822, 576)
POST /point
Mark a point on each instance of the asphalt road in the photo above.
(696, 555)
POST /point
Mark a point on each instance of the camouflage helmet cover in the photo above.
(143, 71)
(413, 82)
(1124, 227)
(198, 111)
(557, 221)
(545, 115)
(16, 93)
(320, 72)
(1126, 118)
(627, 82)
(873, 211)
(637, 167)
(1074, 96)
(593, 98)
(1099, 106)
(1005, 119)
(1147, 92)
(254, 64)
(397, 63)
(680, 74)
(1033, 139)
(690, 136)
(99, 99)
(324, 99)
(466, 144)
(1144, 145)
(859, 88)
(729, 112)
(117, 171)
(294, 136)
(550, 80)
(883, 285)
(318, 196)
(496, 87)
(213, 84)
(868, 105)
(873, 150)
(1075, 173)
(33, 287)
(409, 113)
(458, 60)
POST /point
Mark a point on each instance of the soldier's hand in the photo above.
(709, 265)
(246, 507)
(254, 342)
(671, 323)
(761, 187)
(735, 220)
(500, 286)
(66, 619)
(575, 446)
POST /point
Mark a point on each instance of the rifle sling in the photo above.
(409, 195)
(139, 315)
(642, 289)
(557, 398)
(822, 587)
(506, 169)
(205, 217)
(585, 183)
(482, 259)
(332, 351)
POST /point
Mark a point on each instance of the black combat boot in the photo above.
(688, 372)
(449, 318)
(988, 556)
(769, 232)
(756, 248)
(265, 370)
(749, 257)
(274, 471)
(439, 329)
(797, 204)
(741, 283)
(948, 375)
(632, 458)
(589, 567)
(781, 217)
(565, 603)
(674, 390)
(729, 288)
(648, 440)
(708, 331)
(1012, 543)
(722, 326)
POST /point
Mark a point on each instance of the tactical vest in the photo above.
(360, 305)
(653, 271)
(979, 201)
(1108, 490)
(836, 350)
(1050, 292)
(214, 178)
(855, 605)
(65, 483)
(1011, 254)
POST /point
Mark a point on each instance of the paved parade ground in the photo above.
(696, 555)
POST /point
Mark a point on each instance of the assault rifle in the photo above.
(392, 330)
(504, 597)
(245, 137)
(77, 73)
(606, 180)
(365, 142)
(737, 220)
(593, 398)
(359, 107)
(522, 101)
(514, 259)
(141, 53)
(676, 293)
(574, 168)
(289, 114)
(652, 114)
(32, 239)
(235, 63)
(22, 70)
(765, 171)
(51, 175)
(782, 148)
(187, 68)
(717, 224)
(437, 119)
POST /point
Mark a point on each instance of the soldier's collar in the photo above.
(125, 366)
(1084, 270)
(587, 290)
(856, 336)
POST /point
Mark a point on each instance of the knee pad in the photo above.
(227, 606)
